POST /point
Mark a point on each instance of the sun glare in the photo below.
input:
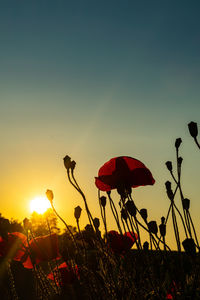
(39, 204)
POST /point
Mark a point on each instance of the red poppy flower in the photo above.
(43, 248)
(67, 274)
(123, 171)
(121, 243)
(14, 246)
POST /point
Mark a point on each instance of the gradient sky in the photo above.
(95, 80)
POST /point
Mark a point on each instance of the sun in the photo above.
(39, 204)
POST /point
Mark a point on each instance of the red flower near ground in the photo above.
(67, 274)
(43, 248)
(14, 246)
(123, 171)
(121, 243)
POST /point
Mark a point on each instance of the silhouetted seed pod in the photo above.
(124, 214)
(178, 142)
(168, 185)
(186, 203)
(146, 246)
(193, 129)
(96, 223)
(77, 212)
(189, 246)
(180, 160)
(170, 195)
(103, 201)
(49, 194)
(162, 228)
(73, 164)
(163, 220)
(131, 208)
(152, 225)
(67, 162)
(169, 165)
(143, 213)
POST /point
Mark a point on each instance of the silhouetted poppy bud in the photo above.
(143, 213)
(163, 220)
(146, 246)
(193, 129)
(152, 225)
(27, 224)
(73, 164)
(124, 214)
(77, 212)
(178, 142)
(180, 160)
(186, 203)
(67, 162)
(189, 246)
(168, 185)
(169, 165)
(103, 201)
(162, 228)
(49, 195)
(131, 208)
(96, 223)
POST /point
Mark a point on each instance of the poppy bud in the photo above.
(96, 223)
(153, 227)
(49, 195)
(67, 162)
(163, 220)
(168, 185)
(103, 201)
(169, 165)
(189, 246)
(192, 126)
(178, 142)
(73, 164)
(186, 203)
(170, 195)
(143, 213)
(162, 228)
(180, 160)
(124, 214)
(27, 224)
(146, 246)
(77, 212)
(131, 208)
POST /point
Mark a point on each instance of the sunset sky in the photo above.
(95, 80)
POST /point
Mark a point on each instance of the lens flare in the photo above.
(39, 204)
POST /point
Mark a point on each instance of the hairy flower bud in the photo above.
(186, 203)
(103, 201)
(178, 142)
(152, 225)
(169, 165)
(96, 223)
(131, 208)
(162, 228)
(193, 129)
(67, 162)
(77, 212)
(73, 164)
(143, 213)
(49, 195)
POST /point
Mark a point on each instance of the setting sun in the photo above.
(39, 204)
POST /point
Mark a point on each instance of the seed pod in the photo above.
(143, 213)
(169, 165)
(178, 142)
(73, 164)
(152, 225)
(146, 246)
(162, 228)
(96, 223)
(168, 185)
(103, 201)
(193, 129)
(124, 214)
(77, 212)
(131, 208)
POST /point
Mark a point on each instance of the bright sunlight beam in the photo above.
(39, 204)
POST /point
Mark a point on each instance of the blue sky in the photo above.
(95, 79)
